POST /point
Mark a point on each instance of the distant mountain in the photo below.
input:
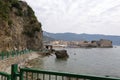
(47, 39)
(78, 37)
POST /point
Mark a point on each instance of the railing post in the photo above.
(12, 53)
(21, 75)
(14, 71)
(2, 55)
(9, 77)
(7, 54)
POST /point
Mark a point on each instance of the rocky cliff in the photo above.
(19, 27)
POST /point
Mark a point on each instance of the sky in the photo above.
(78, 16)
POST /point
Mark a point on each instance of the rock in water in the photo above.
(61, 54)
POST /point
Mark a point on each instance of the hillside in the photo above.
(88, 37)
(19, 27)
(47, 39)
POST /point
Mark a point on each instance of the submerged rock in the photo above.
(61, 54)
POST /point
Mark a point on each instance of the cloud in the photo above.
(79, 16)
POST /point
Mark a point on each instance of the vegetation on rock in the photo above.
(19, 27)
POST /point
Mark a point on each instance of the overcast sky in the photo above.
(78, 16)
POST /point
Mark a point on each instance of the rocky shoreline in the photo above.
(20, 60)
(28, 60)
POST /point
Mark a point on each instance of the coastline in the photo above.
(21, 60)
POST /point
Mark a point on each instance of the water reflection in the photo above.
(61, 60)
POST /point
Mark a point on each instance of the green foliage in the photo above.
(30, 29)
(37, 28)
(33, 21)
(30, 12)
(29, 33)
(13, 1)
(4, 10)
(19, 13)
(16, 4)
(40, 24)
(6, 6)
(10, 22)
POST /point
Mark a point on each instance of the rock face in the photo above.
(61, 54)
(19, 27)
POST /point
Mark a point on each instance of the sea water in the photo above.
(89, 61)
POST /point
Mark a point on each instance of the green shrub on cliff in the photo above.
(31, 29)
(16, 4)
(19, 13)
(4, 10)
(10, 22)
(31, 12)
(6, 6)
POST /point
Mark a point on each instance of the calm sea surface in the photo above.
(91, 61)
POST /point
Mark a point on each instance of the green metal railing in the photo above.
(4, 55)
(33, 74)
(5, 76)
